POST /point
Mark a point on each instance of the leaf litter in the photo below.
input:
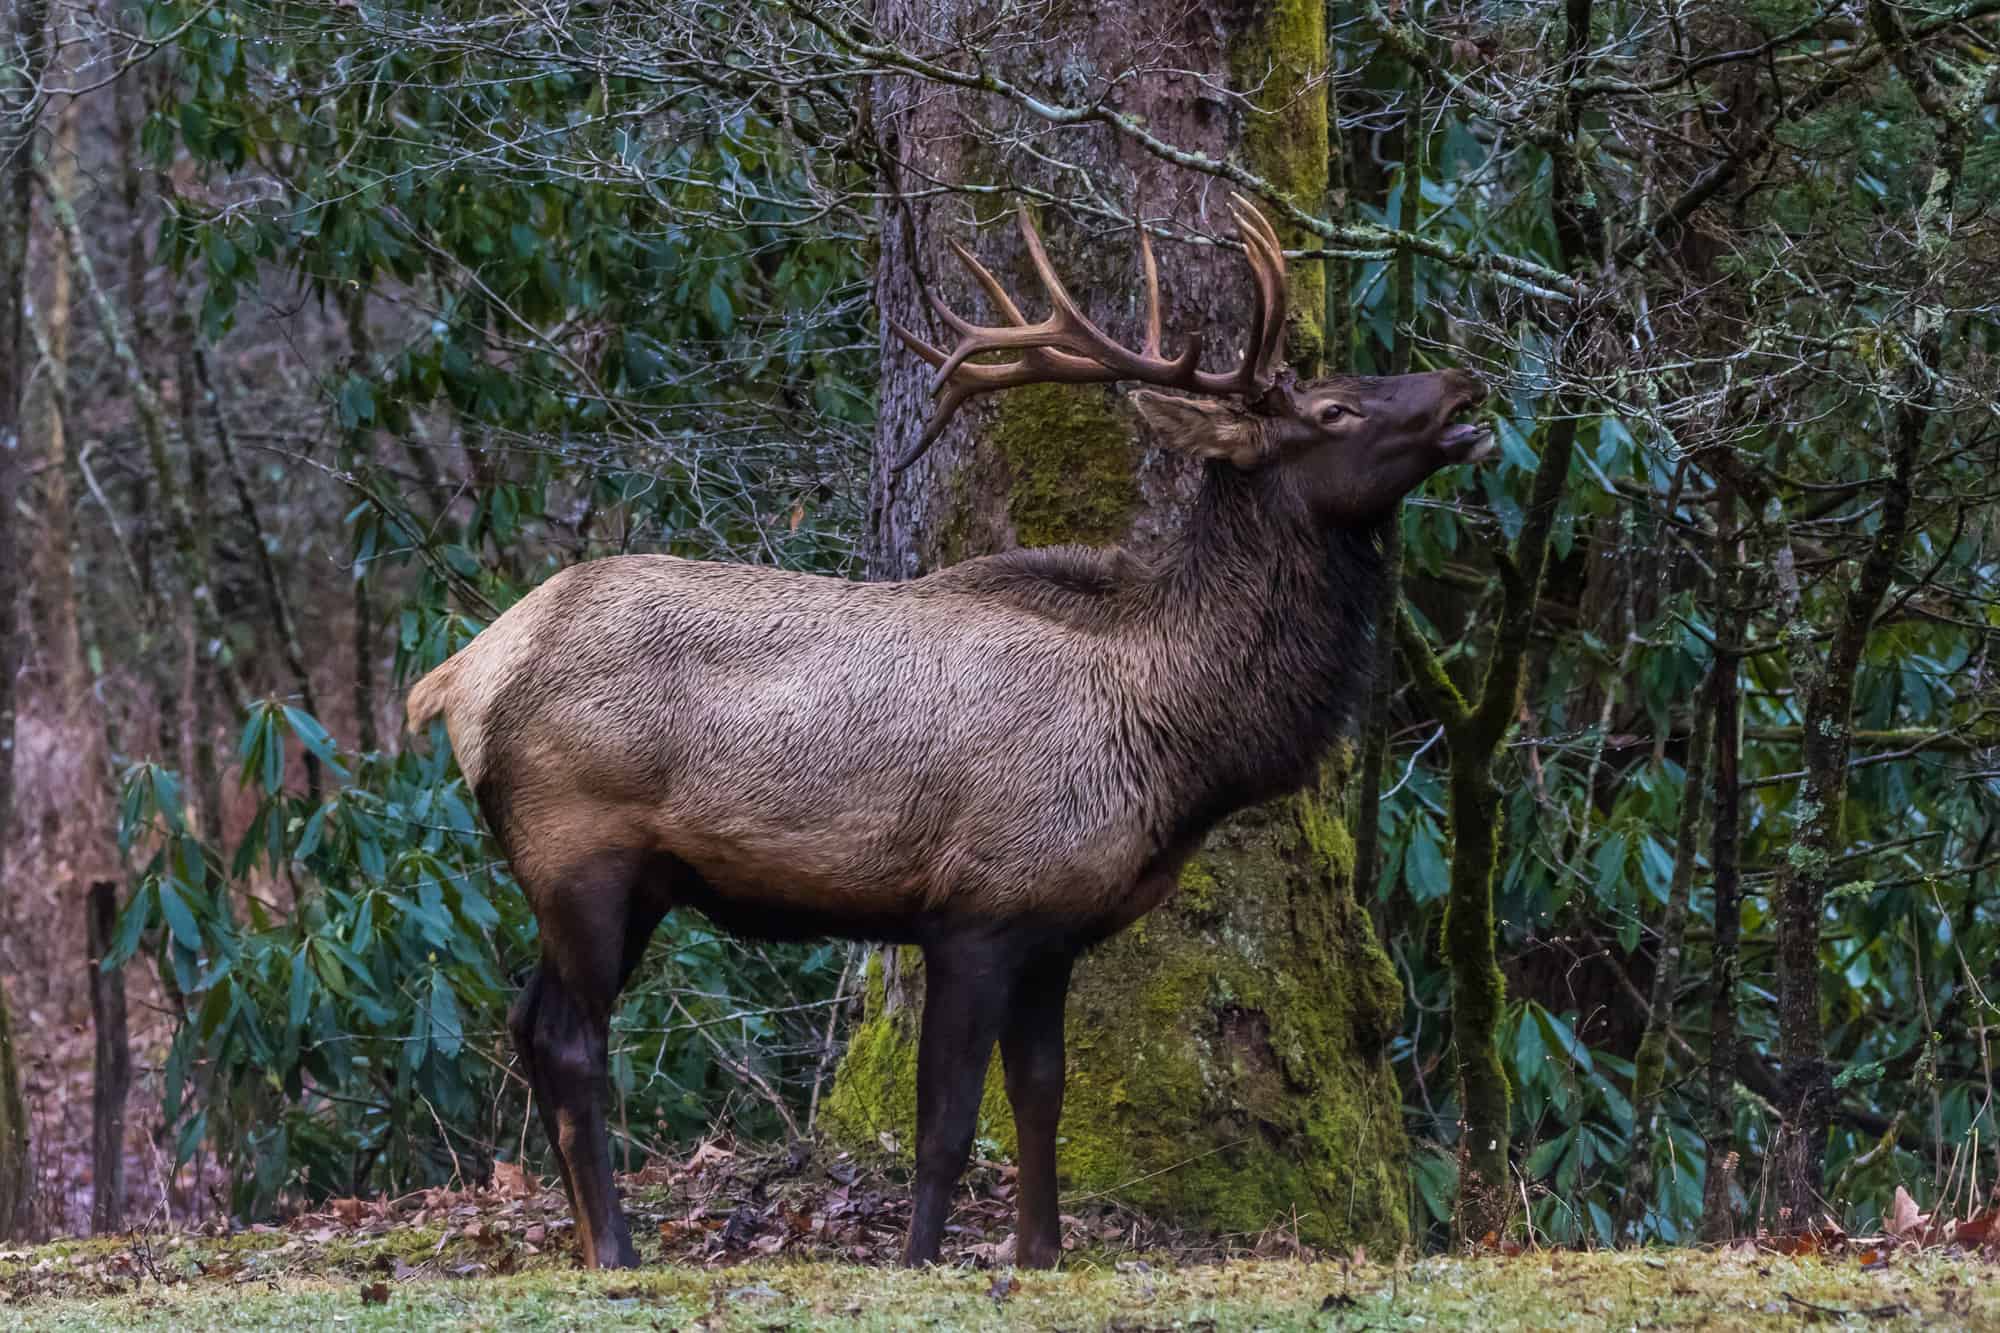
(758, 1217)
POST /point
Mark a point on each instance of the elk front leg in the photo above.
(965, 999)
(1031, 1048)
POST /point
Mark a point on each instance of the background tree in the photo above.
(23, 55)
(1228, 1056)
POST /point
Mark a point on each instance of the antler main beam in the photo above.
(1068, 348)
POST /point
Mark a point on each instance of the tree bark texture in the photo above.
(1650, 1065)
(1227, 1055)
(25, 52)
(112, 1074)
(1718, 1205)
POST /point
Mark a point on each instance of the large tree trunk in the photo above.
(20, 74)
(1227, 1054)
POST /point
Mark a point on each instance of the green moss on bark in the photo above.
(1276, 61)
(873, 1101)
(1229, 1067)
(1071, 460)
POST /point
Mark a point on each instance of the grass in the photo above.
(263, 1283)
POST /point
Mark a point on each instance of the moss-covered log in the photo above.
(1227, 1055)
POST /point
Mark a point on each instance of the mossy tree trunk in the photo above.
(1477, 723)
(1227, 1063)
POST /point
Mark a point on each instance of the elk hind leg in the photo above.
(521, 1024)
(1031, 1049)
(594, 928)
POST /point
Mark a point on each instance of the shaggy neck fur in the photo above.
(1263, 620)
(1242, 650)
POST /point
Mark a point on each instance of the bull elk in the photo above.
(1002, 763)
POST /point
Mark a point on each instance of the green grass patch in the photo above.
(195, 1284)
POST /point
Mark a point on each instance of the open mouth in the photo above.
(1469, 442)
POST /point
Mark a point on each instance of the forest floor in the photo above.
(188, 1284)
(771, 1240)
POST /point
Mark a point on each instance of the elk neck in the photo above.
(1262, 639)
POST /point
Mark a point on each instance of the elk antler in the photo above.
(1067, 348)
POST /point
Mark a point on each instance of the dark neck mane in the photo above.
(1266, 619)
(1248, 644)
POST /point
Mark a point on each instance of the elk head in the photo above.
(1351, 446)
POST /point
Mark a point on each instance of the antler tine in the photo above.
(1267, 266)
(1065, 348)
(994, 291)
(934, 355)
(972, 338)
(1080, 337)
(1063, 310)
(1152, 345)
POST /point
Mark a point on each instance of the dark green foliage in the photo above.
(648, 357)
(355, 1043)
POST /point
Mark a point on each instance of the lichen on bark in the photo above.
(1070, 458)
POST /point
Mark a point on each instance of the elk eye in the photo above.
(1331, 413)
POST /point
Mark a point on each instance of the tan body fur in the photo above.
(848, 753)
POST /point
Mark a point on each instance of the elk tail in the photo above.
(431, 696)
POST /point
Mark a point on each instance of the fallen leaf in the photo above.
(707, 1153)
(375, 1293)
(992, 1254)
(1974, 1232)
(1904, 1220)
(512, 1181)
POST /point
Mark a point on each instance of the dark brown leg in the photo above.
(521, 1022)
(967, 987)
(1031, 1047)
(571, 1036)
(594, 929)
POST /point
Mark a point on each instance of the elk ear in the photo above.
(1202, 427)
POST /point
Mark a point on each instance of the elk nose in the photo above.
(1464, 387)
